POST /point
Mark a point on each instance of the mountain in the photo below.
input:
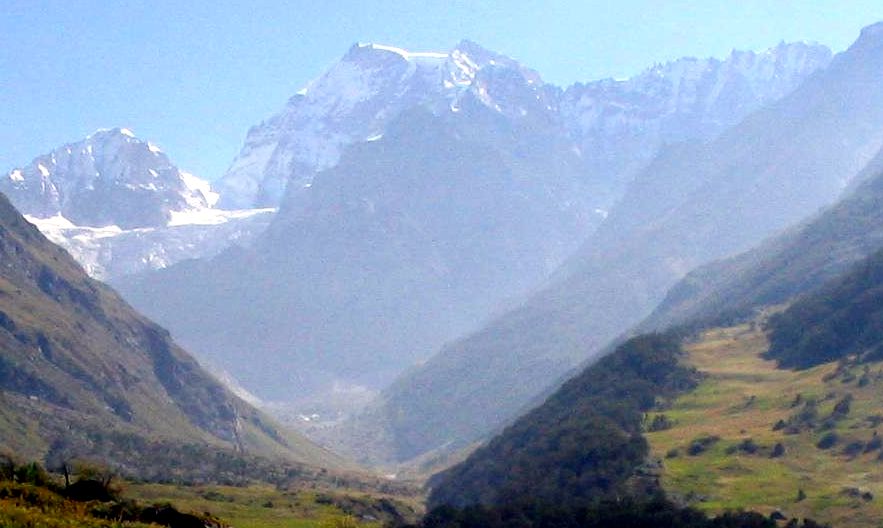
(794, 262)
(83, 375)
(618, 126)
(694, 203)
(700, 417)
(120, 206)
(777, 411)
(355, 100)
(112, 254)
(365, 254)
(109, 178)
(410, 240)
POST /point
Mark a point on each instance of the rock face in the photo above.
(120, 206)
(617, 125)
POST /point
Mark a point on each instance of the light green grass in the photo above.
(742, 396)
(257, 506)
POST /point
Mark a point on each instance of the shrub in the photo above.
(841, 409)
(778, 450)
(660, 422)
(702, 444)
(828, 441)
(854, 449)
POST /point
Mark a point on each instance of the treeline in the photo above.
(583, 443)
(844, 318)
(580, 459)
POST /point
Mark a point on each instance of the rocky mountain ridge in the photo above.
(617, 125)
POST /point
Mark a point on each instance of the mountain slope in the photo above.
(583, 443)
(82, 374)
(842, 320)
(410, 240)
(804, 442)
(693, 204)
(620, 125)
(353, 101)
(404, 243)
(797, 261)
(745, 434)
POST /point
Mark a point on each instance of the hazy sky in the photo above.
(192, 76)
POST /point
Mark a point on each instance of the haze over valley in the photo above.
(432, 288)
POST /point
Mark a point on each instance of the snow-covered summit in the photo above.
(616, 125)
(354, 100)
(119, 206)
(109, 178)
(620, 124)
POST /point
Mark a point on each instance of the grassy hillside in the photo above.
(92, 497)
(262, 506)
(718, 444)
(583, 443)
(83, 375)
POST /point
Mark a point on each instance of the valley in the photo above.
(435, 289)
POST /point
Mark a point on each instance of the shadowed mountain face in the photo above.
(693, 204)
(82, 374)
(409, 241)
(797, 261)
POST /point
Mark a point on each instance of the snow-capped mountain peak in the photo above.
(357, 97)
(111, 177)
(620, 124)
(354, 100)
(120, 206)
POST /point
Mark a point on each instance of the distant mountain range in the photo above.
(617, 125)
(421, 192)
(419, 195)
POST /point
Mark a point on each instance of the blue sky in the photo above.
(193, 76)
